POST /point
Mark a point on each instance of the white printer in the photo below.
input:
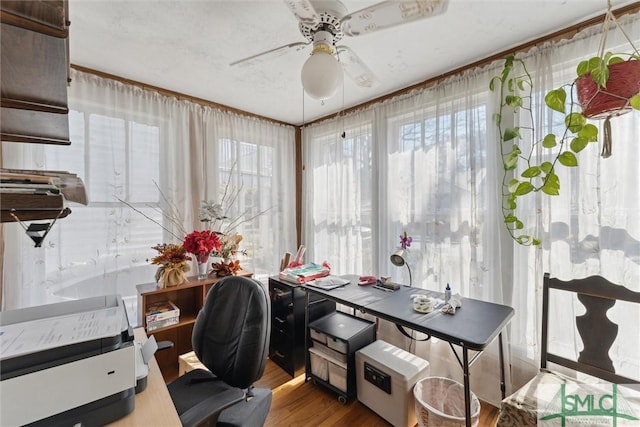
(69, 363)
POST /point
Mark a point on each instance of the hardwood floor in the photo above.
(300, 403)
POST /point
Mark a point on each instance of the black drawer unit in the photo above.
(287, 346)
(335, 338)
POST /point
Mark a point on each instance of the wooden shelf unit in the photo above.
(35, 71)
(189, 297)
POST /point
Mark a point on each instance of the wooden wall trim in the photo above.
(177, 95)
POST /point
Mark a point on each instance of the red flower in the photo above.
(202, 243)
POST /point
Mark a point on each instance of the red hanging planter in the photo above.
(623, 83)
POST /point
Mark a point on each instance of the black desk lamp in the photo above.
(398, 259)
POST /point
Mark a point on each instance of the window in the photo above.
(248, 170)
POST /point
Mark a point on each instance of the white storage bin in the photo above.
(329, 352)
(319, 366)
(337, 344)
(385, 376)
(338, 376)
(318, 336)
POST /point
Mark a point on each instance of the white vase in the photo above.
(203, 268)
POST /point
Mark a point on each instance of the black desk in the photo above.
(473, 327)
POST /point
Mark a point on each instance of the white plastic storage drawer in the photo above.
(319, 366)
(337, 344)
(326, 351)
(338, 376)
(385, 376)
(318, 336)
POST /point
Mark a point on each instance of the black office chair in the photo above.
(231, 338)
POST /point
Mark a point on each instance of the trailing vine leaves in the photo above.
(523, 172)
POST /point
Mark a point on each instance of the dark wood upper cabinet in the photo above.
(48, 16)
(34, 72)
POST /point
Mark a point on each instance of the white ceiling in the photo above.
(186, 46)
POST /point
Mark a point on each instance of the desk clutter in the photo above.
(426, 304)
(305, 273)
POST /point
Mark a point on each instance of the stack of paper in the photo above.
(304, 273)
(329, 282)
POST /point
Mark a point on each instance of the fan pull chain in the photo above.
(342, 112)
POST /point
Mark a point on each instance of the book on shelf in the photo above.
(160, 311)
(304, 273)
(27, 187)
(41, 181)
(152, 326)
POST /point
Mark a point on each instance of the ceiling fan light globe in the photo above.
(321, 75)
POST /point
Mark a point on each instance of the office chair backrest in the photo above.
(232, 331)
(597, 331)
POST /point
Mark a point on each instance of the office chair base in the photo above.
(251, 413)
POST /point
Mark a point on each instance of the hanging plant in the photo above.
(610, 91)
(515, 86)
(607, 85)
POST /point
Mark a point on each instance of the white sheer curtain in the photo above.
(157, 154)
(260, 158)
(593, 227)
(428, 163)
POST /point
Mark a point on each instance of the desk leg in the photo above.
(501, 353)
(467, 386)
(307, 362)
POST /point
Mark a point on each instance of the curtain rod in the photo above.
(563, 34)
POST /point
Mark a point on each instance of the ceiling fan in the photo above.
(325, 22)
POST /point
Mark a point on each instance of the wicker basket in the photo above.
(439, 402)
(623, 83)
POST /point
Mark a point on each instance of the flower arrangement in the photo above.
(213, 215)
(202, 244)
(230, 245)
(228, 268)
(170, 254)
(405, 240)
(172, 260)
(219, 239)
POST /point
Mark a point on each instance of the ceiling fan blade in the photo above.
(304, 12)
(355, 68)
(269, 54)
(390, 13)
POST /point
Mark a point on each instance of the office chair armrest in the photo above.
(163, 345)
(210, 408)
